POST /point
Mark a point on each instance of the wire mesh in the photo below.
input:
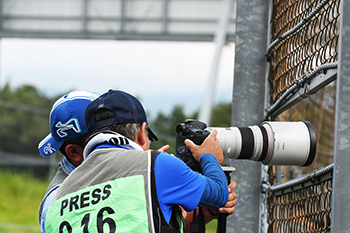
(319, 110)
(306, 34)
(302, 206)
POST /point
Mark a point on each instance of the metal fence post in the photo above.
(341, 184)
(248, 108)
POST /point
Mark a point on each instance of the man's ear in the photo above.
(141, 136)
(74, 153)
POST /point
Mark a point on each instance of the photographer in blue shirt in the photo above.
(124, 186)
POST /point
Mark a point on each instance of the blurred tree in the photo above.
(24, 119)
(221, 116)
(165, 125)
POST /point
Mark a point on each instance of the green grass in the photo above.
(20, 197)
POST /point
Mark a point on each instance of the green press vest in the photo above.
(113, 190)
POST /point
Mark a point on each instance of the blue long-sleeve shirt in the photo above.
(177, 184)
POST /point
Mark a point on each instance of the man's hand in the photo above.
(210, 145)
(229, 208)
(164, 148)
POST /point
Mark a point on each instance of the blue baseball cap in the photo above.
(126, 108)
(67, 120)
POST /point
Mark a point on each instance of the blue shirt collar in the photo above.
(127, 147)
(67, 165)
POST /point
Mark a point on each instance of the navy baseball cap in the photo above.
(67, 120)
(126, 108)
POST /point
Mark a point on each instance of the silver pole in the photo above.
(341, 184)
(219, 40)
(248, 109)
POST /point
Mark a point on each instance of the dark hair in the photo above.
(128, 130)
(80, 141)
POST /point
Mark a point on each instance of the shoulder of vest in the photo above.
(154, 154)
(56, 181)
(174, 226)
(59, 177)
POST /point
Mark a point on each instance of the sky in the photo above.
(160, 74)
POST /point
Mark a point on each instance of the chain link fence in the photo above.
(304, 37)
(302, 204)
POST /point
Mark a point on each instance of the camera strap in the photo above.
(198, 223)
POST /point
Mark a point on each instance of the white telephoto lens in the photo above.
(294, 143)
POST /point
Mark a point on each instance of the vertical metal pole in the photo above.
(248, 108)
(0, 85)
(122, 16)
(1, 8)
(52, 165)
(219, 40)
(84, 20)
(341, 184)
(165, 15)
(264, 172)
(1, 4)
(278, 174)
(264, 197)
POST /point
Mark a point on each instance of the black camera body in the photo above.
(194, 130)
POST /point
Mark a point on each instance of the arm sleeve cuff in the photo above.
(216, 190)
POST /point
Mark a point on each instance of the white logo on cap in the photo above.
(70, 124)
(48, 149)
